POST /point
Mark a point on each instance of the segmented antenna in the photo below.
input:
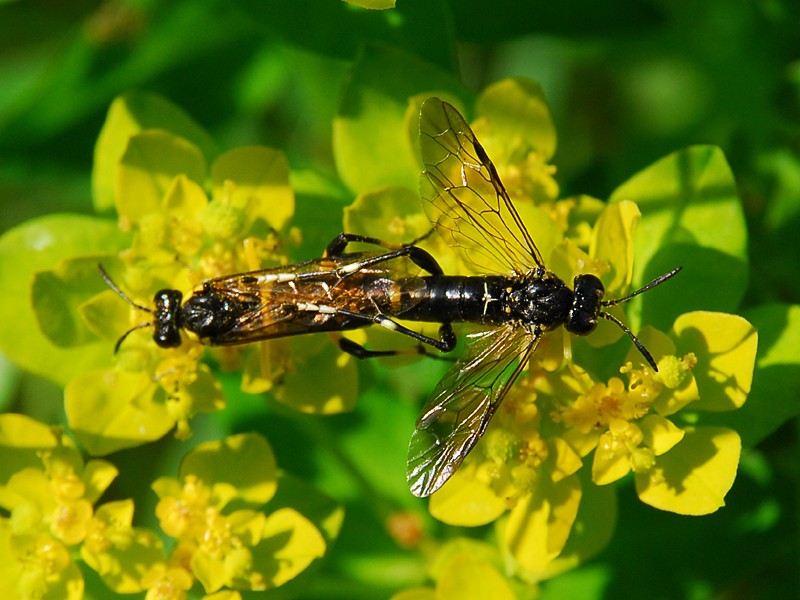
(110, 283)
(639, 346)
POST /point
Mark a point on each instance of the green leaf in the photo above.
(373, 4)
(35, 246)
(128, 115)
(326, 514)
(339, 29)
(390, 213)
(334, 386)
(691, 216)
(56, 295)
(375, 132)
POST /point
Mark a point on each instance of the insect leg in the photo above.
(360, 352)
(415, 254)
(445, 343)
(357, 350)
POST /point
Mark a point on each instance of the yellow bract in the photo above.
(725, 346)
(694, 476)
(539, 525)
(254, 179)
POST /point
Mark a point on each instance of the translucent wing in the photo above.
(274, 298)
(465, 199)
(463, 403)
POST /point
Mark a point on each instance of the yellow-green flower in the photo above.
(241, 548)
(49, 499)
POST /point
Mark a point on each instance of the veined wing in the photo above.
(465, 198)
(328, 294)
(463, 403)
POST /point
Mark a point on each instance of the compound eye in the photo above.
(167, 337)
(166, 332)
(588, 291)
(581, 322)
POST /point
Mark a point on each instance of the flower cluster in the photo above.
(53, 518)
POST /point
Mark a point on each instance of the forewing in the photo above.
(464, 197)
(276, 297)
(463, 403)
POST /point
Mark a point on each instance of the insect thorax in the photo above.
(543, 301)
(211, 312)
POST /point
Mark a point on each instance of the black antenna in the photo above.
(125, 297)
(639, 346)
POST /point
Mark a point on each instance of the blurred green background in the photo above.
(628, 82)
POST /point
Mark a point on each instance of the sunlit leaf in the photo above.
(775, 395)
(38, 245)
(290, 543)
(612, 241)
(691, 216)
(109, 410)
(22, 439)
(97, 476)
(518, 120)
(373, 134)
(56, 295)
(373, 4)
(659, 433)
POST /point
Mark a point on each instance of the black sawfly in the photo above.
(470, 208)
(338, 292)
(468, 205)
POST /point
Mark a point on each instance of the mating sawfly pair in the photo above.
(468, 205)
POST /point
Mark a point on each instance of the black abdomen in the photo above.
(454, 299)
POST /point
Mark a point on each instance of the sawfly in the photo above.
(517, 301)
(520, 300)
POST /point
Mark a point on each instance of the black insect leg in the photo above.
(357, 350)
(362, 353)
(446, 342)
(421, 258)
